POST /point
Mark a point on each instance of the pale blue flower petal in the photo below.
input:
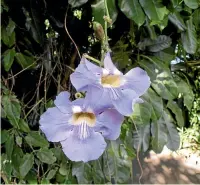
(123, 100)
(138, 80)
(84, 150)
(108, 64)
(62, 102)
(55, 124)
(109, 124)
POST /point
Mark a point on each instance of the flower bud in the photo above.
(98, 30)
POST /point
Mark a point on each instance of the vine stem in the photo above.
(91, 58)
(70, 35)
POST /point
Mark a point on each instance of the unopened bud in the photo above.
(78, 95)
(98, 30)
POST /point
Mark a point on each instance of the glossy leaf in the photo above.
(10, 27)
(8, 58)
(155, 11)
(77, 3)
(132, 10)
(177, 111)
(194, 4)
(8, 40)
(26, 164)
(35, 139)
(46, 156)
(177, 20)
(99, 11)
(189, 37)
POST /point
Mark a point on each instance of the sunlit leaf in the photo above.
(154, 10)
(189, 37)
(193, 4)
(132, 10)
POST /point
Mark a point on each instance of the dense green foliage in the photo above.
(162, 37)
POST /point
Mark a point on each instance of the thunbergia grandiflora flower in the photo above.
(114, 89)
(80, 126)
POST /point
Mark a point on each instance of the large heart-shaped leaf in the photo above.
(99, 11)
(132, 10)
(189, 37)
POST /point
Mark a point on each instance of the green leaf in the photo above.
(161, 78)
(23, 126)
(31, 177)
(18, 140)
(46, 156)
(186, 90)
(193, 4)
(26, 164)
(25, 61)
(196, 19)
(17, 157)
(77, 3)
(6, 168)
(83, 172)
(189, 37)
(8, 58)
(99, 11)
(35, 139)
(177, 111)
(160, 43)
(8, 40)
(10, 27)
(154, 10)
(155, 102)
(64, 168)
(97, 169)
(141, 137)
(117, 164)
(177, 20)
(132, 10)
(51, 174)
(142, 113)
(4, 136)
(173, 138)
(12, 109)
(159, 136)
(9, 146)
(167, 54)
